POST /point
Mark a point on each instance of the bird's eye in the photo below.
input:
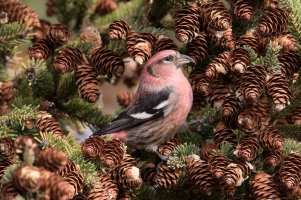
(168, 58)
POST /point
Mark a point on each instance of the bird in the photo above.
(159, 107)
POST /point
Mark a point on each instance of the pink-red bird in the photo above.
(160, 105)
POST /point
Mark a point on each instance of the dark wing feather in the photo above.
(146, 105)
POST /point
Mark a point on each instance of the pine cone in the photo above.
(93, 146)
(239, 60)
(289, 63)
(148, 173)
(87, 83)
(4, 165)
(168, 147)
(131, 41)
(278, 88)
(165, 43)
(218, 66)
(124, 99)
(69, 167)
(244, 9)
(112, 153)
(217, 165)
(230, 109)
(287, 42)
(8, 191)
(201, 84)
(271, 3)
(27, 178)
(295, 117)
(271, 138)
(107, 62)
(247, 148)
(7, 149)
(218, 93)
(40, 50)
(76, 180)
(197, 49)
(26, 144)
(224, 134)
(272, 158)
(253, 82)
(187, 22)
(18, 12)
(47, 124)
(118, 30)
(6, 97)
(166, 177)
(57, 34)
(222, 39)
(67, 59)
(50, 8)
(264, 187)
(52, 159)
(290, 172)
(207, 150)
(105, 6)
(104, 189)
(248, 122)
(216, 15)
(40, 31)
(199, 175)
(236, 173)
(273, 22)
(249, 39)
(91, 35)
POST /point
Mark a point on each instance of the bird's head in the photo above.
(166, 64)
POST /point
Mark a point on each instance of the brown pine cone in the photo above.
(105, 6)
(7, 149)
(91, 35)
(230, 109)
(52, 159)
(8, 191)
(248, 121)
(224, 134)
(222, 39)
(244, 9)
(57, 34)
(112, 153)
(187, 22)
(131, 41)
(18, 12)
(93, 146)
(239, 60)
(290, 172)
(199, 101)
(166, 177)
(124, 99)
(278, 88)
(289, 63)
(218, 93)
(50, 8)
(237, 172)
(67, 59)
(118, 30)
(295, 117)
(271, 138)
(87, 83)
(273, 22)
(247, 148)
(27, 178)
(26, 144)
(168, 147)
(197, 48)
(4, 165)
(165, 43)
(103, 189)
(6, 97)
(249, 39)
(217, 165)
(218, 66)
(287, 42)
(207, 150)
(253, 82)
(40, 50)
(271, 3)
(40, 31)
(216, 15)
(264, 187)
(76, 180)
(107, 62)
(199, 175)
(148, 173)
(47, 124)
(69, 167)
(272, 158)
(201, 84)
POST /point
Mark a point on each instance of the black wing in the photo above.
(144, 109)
